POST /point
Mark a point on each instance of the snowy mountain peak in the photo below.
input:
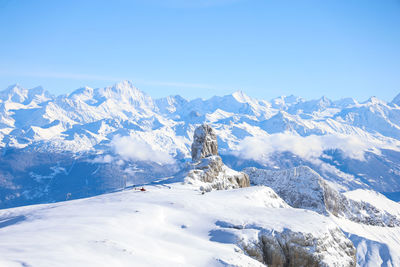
(81, 92)
(241, 97)
(14, 93)
(124, 87)
(170, 104)
(325, 100)
(283, 102)
(39, 94)
(96, 141)
(396, 100)
(373, 100)
(125, 93)
(37, 90)
(345, 102)
(18, 94)
(13, 88)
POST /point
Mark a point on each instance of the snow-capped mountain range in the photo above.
(231, 180)
(210, 215)
(98, 140)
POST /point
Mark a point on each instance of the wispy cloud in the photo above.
(61, 75)
(94, 77)
(131, 148)
(309, 147)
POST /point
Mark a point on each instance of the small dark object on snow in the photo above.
(142, 189)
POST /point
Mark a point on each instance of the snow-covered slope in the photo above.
(369, 219)
(174, 226)
(351, 144)
(302, 187)
(323, 158)
(378, 200)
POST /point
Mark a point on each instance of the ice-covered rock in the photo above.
(302, 187)
(207, 168)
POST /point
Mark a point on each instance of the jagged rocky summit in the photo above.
(205, 143)
(207, 169)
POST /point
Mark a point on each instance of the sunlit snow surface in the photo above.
(85, 143)
(164, 226)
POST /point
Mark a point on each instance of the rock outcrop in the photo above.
(293, 249)
(204, 143)
(207, 169)
(293, 246)
(302, 187)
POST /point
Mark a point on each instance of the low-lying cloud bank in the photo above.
(309, 147)
(131, 148)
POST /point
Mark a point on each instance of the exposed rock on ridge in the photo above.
(204, 142)
(293, 249)
(207, 169)
(302, 187)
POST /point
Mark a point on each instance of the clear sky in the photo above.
(200, 48)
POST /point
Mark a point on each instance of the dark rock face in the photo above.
(204, 143)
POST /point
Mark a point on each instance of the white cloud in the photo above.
(309, 147)
(131, 148)
(103, 159)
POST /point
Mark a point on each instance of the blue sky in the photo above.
(200, 48)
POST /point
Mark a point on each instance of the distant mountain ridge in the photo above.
(122, 134)
(51, 116)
